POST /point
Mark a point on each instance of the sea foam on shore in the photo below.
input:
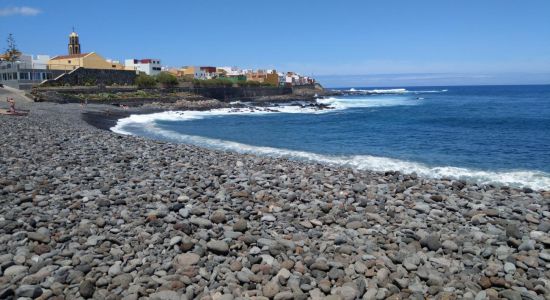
(516, 178)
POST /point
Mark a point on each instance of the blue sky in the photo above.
(343, 43)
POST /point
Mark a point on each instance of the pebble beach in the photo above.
(86, 213)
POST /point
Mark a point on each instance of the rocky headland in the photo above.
(87, 213)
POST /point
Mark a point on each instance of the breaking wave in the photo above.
(147, 127)
(392, 91)
(349, 102)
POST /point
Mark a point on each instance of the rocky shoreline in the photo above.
(86, 213)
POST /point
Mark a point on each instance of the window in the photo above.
(14, 75)
(69, 61)
(24, 75)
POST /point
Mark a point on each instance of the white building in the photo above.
(148, 66)
(231, 71)
(27, 71)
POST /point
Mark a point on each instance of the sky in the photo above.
(341, 43)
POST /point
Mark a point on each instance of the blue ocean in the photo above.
(484, 134)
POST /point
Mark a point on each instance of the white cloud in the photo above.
(19, 10)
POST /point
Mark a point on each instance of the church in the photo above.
(75, 59)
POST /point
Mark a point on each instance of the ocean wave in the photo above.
(520, 178)
(333, 103)
(379, 91)
(349, 102)
(392, 91)
(146, 119)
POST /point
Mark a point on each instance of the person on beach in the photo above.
(11, 102)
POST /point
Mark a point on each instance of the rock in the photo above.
(348, 293)
(29, 291)
(485, 282)
(39, 237)
(510, 295)
(218, 247)
(370, 294)
(382, 275)
(527, 245)
(450, 245)
(509, 268)
(115, 269)
(235, 266)
(354, 225)
(437, 198)
(122, 280)
(240, 225)
(268, 218)
(201, 222)
(175, 240)
(14, 271)
(86, 289)
(218, 217)
(335, 274)
(270, 289)
(512, 230)
(431, 242)
(186, 259)
(286, 295)
(422, 207)
(167, 295)
(358, 187)
(320, 264)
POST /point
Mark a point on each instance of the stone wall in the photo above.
(240, 93)
(83, 77)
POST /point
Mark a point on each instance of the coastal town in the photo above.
(24, 71)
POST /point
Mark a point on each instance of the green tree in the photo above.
(144, 81)
(167, 79)
(12, 53)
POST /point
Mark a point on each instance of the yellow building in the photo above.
(272, 78)
(188, 71)
(76, 59)
(262, 76)
(90, 60)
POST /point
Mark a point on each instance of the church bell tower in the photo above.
(74, 44)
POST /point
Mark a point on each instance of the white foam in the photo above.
(393, 91)
(299, 108)
(380, 91)
(520, 178)
(146, 119)
(349, 102)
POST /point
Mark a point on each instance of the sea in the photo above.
(496, 135)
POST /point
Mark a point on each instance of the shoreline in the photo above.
(128, 217)
(518, 179)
